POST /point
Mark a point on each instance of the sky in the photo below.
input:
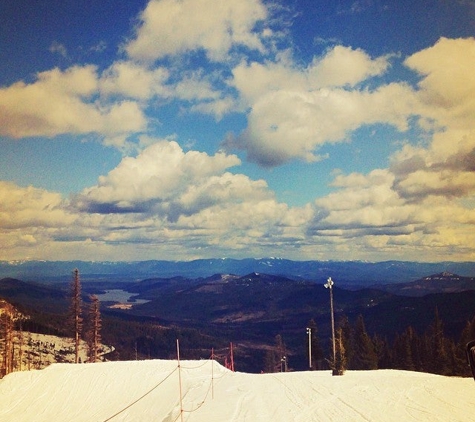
(150, 390)
(185, 129)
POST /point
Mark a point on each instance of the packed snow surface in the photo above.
(150, 391)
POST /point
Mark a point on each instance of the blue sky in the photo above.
(303, 129)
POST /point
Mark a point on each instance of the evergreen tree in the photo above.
(347, 340)
(365, 357)
(403, 350)
(461, 365)
(76, 319)
(438, 359)
(383, 351)
(339, 365)
(274, 357)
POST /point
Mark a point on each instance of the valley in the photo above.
(143, 317)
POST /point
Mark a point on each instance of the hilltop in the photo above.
(150, 390)
(444, 282)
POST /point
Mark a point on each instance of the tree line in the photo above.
(430, 351)
(355, 349)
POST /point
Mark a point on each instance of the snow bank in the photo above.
(150, 391)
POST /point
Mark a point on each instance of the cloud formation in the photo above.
(60, 102)
(165, 181)
(171, 27)
(293, 112)
(218, 58)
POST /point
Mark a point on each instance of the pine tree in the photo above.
(462, 367)
(439, 359)
(94, 329)
(383, 351)
(340, 364)
(347, 339)
(364, 355)
(76, 313)
(403, 350)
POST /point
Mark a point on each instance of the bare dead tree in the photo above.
(94, 329)
(9, 315)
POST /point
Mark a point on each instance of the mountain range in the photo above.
(345, 273)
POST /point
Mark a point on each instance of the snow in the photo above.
(150, 391)
(41, 350)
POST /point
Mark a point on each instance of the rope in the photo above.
(200, 404)
(196, 367)
(140, 398)
(161, 382)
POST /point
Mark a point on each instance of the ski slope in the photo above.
(150, 391)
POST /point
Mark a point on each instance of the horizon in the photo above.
(235, 259)
(178, 130)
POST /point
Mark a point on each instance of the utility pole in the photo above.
(283, 364)
(309, 332)
(329, 285)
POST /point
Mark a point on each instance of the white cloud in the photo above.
(345, 66)
(447, 88)
(170, 27)
(164, 200)
(445, 168)
(163, 179)
(339, 67)
(294, 111)
(284, 125)
(132, 80)
(63, 102)
(367, 216)
(24, 207)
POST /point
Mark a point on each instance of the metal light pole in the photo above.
(309, 332)
(329, 285)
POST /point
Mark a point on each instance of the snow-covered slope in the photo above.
(150, 391)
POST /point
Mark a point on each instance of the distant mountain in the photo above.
(34, 295)
(258, 306)
(250, 309)
(444, 282)
(345, 273)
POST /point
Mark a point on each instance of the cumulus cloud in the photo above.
(170, 27)
(285, 125)
(345, 66)
(132, 80)
(24, 207)
(446, 168)
(367, 215)
(293, 111)
(338, 67)
(165, 180)
(62, 102)
(447, 87)
(163, 199)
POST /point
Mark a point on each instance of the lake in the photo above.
(121, 296)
